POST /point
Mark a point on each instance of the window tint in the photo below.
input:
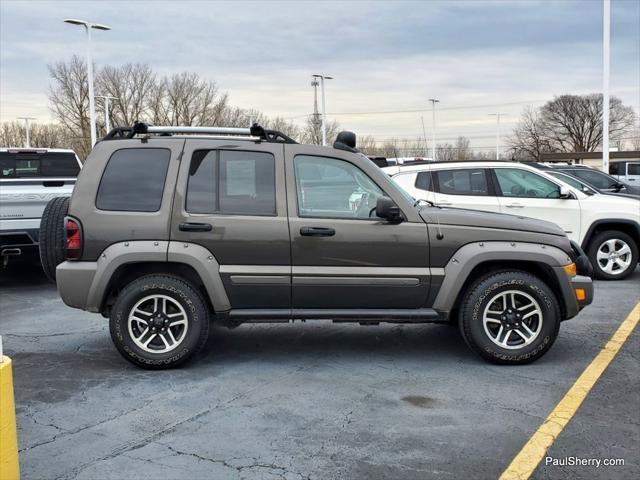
(332, 188)
(232, 182)
(463, 182)
(33, 164)
(616, 168)
(521, 183)
(423, 181)
(595, 178)
(133, 180)
(574, 182)
(633, 169)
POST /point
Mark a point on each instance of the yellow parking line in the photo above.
(536, 448)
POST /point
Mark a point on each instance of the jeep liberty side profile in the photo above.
(170, 228)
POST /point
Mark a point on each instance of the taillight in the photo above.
(74, 240)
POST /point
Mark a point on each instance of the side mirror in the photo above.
(387, 209)
(618, 186)
(565, 192)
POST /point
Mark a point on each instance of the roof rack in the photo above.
(255, 133)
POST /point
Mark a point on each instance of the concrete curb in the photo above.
(9, 467)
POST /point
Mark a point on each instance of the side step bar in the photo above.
(418, 315)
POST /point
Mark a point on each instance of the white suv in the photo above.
(607, 227)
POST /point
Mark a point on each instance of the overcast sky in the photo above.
(477, 57)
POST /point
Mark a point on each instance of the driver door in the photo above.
(342, 255)
(525, 193)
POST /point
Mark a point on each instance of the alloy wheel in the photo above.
(614, 256)
(512, 319)
(158, 324)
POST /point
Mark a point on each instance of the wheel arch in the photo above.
(539, 269)
(629, 227)
(128, 272)
(476, 259)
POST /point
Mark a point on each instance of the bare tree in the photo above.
(312, 132)
(132, 86)
(69, 99)
(462, 150)
(568, 123)
(41, 135)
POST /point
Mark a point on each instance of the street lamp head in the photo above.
(434, 100)
(75, 21)
(84, 23)
(318, 75)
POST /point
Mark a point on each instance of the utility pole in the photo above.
(433, 127)
(315, 119)
(92, 107)
(497, 115)
(324, 111)
(106, 99)
(606, 62)
(26, 124)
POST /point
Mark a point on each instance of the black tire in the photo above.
(51, 237)
(600, 239)
(481, 294)
(180, 291)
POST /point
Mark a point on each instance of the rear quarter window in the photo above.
(133, 180)
(35, 164)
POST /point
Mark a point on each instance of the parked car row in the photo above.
(606, 226)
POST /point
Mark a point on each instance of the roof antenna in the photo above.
(439, 234)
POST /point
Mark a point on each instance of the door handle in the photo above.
(317, 232)
(514, 205)
(195, 227)
(446, 204)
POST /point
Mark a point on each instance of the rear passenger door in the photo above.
(531, 195)
(231, 200)
(465, 188)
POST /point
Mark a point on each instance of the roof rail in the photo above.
(255, 133)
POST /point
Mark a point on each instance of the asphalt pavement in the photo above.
(311, 400)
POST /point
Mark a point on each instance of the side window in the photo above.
(423, 181)
(332, 188)
(521, 183)
(633, 169)
(463, 182)
(597, 179)
(231, 182)
(133, 180)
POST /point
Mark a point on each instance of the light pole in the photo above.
(606, 39)
(433, 127)
(424, 136)
(497, 115)
(92, 108)
(106, 99)
(26, 123)
(324, 111)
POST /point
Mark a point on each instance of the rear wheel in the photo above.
(613, 254)
(509, 317)
(159, 322)
(51, 237)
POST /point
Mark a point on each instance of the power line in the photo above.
(422, 110)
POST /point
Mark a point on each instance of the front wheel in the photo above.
(159, 321)
(509, 317)
(613, 254)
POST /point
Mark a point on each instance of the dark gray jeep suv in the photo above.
(169, 228)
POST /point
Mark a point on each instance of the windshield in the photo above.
(38, 164)
(574, 182)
